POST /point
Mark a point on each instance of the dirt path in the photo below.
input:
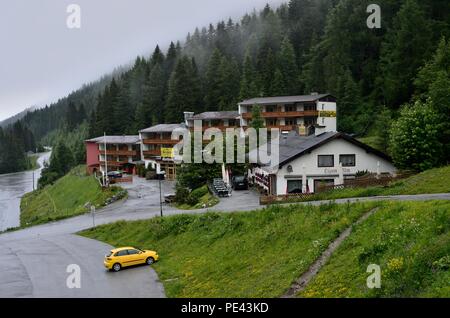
(300, 284)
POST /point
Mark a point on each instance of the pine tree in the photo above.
(402, 53)
(213, 91)
(288, 69)
(229, 84)
(71, 116)
(247, 86)
(278, 85)
(181, 97)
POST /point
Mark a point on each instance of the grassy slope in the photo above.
(411, 243)
(208, 200)
(430, 181)
(65, 198)
(252, 254)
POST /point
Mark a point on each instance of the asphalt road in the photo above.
(34, 261)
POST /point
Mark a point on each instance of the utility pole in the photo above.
(160, 176)
(106, 160)
(93, 214)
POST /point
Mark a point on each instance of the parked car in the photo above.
(121, 257)
(114, 174)
(239, 183)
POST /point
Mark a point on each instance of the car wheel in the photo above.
(116, 267)
(150, 261)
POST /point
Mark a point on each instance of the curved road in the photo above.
(34, 260)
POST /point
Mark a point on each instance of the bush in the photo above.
(181, 194)
(415, 138)
(195, 196)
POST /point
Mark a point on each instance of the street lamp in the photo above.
(160, 177)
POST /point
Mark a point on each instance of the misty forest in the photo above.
(392, 84)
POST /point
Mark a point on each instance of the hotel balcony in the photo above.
(152, 153)
(306, 113)
(160, 142)
(114, 152)
(220, 127)
(113, 163)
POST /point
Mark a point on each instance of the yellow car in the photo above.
(128, 256)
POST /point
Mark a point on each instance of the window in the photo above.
(290, 121)
(133, 252)
(347, 160)
(294, 186)
(325, 160)
(271, 122)
(270, 108)
(290, 108)
(122, 253)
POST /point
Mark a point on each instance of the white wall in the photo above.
(364, 161)
(329, 122)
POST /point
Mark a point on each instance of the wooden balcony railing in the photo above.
(221, 127)
(283, 114)
(120, 152)
(154, 152)
(160, 142)
(113, 163)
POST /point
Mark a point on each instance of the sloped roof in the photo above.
(284, 99)
(216, 115)
(163, 128)
(124, 139)
(292, 146)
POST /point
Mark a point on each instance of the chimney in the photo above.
(187, 117)
(314, 93)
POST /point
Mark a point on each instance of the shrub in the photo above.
(195, 196)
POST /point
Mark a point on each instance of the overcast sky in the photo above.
(41, 59)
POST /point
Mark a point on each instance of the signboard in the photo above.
(167, 153)
(327, 113)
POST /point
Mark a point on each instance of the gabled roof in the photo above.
(293, 146)
(130, 139)
(162, 128)
(284, 99)
(216, 115)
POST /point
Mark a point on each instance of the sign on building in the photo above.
(167, 153)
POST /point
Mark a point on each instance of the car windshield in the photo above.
(239, 179)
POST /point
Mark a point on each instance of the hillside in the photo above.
(260, 253)
(410, 242)
(65, 198)
(300, 47)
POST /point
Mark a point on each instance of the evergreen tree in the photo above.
(213, 90)
(247, 86)
(288, 68)
(181, 96)
(278, 85)
(229, 84)
(403, 52)
(71, 116)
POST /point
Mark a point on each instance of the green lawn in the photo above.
(247, 254)
(65, 198)
(430, 181)
(410, 241)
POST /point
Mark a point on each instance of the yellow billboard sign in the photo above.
(167, 152)
(327, 113)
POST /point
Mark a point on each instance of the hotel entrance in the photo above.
(170, 169)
